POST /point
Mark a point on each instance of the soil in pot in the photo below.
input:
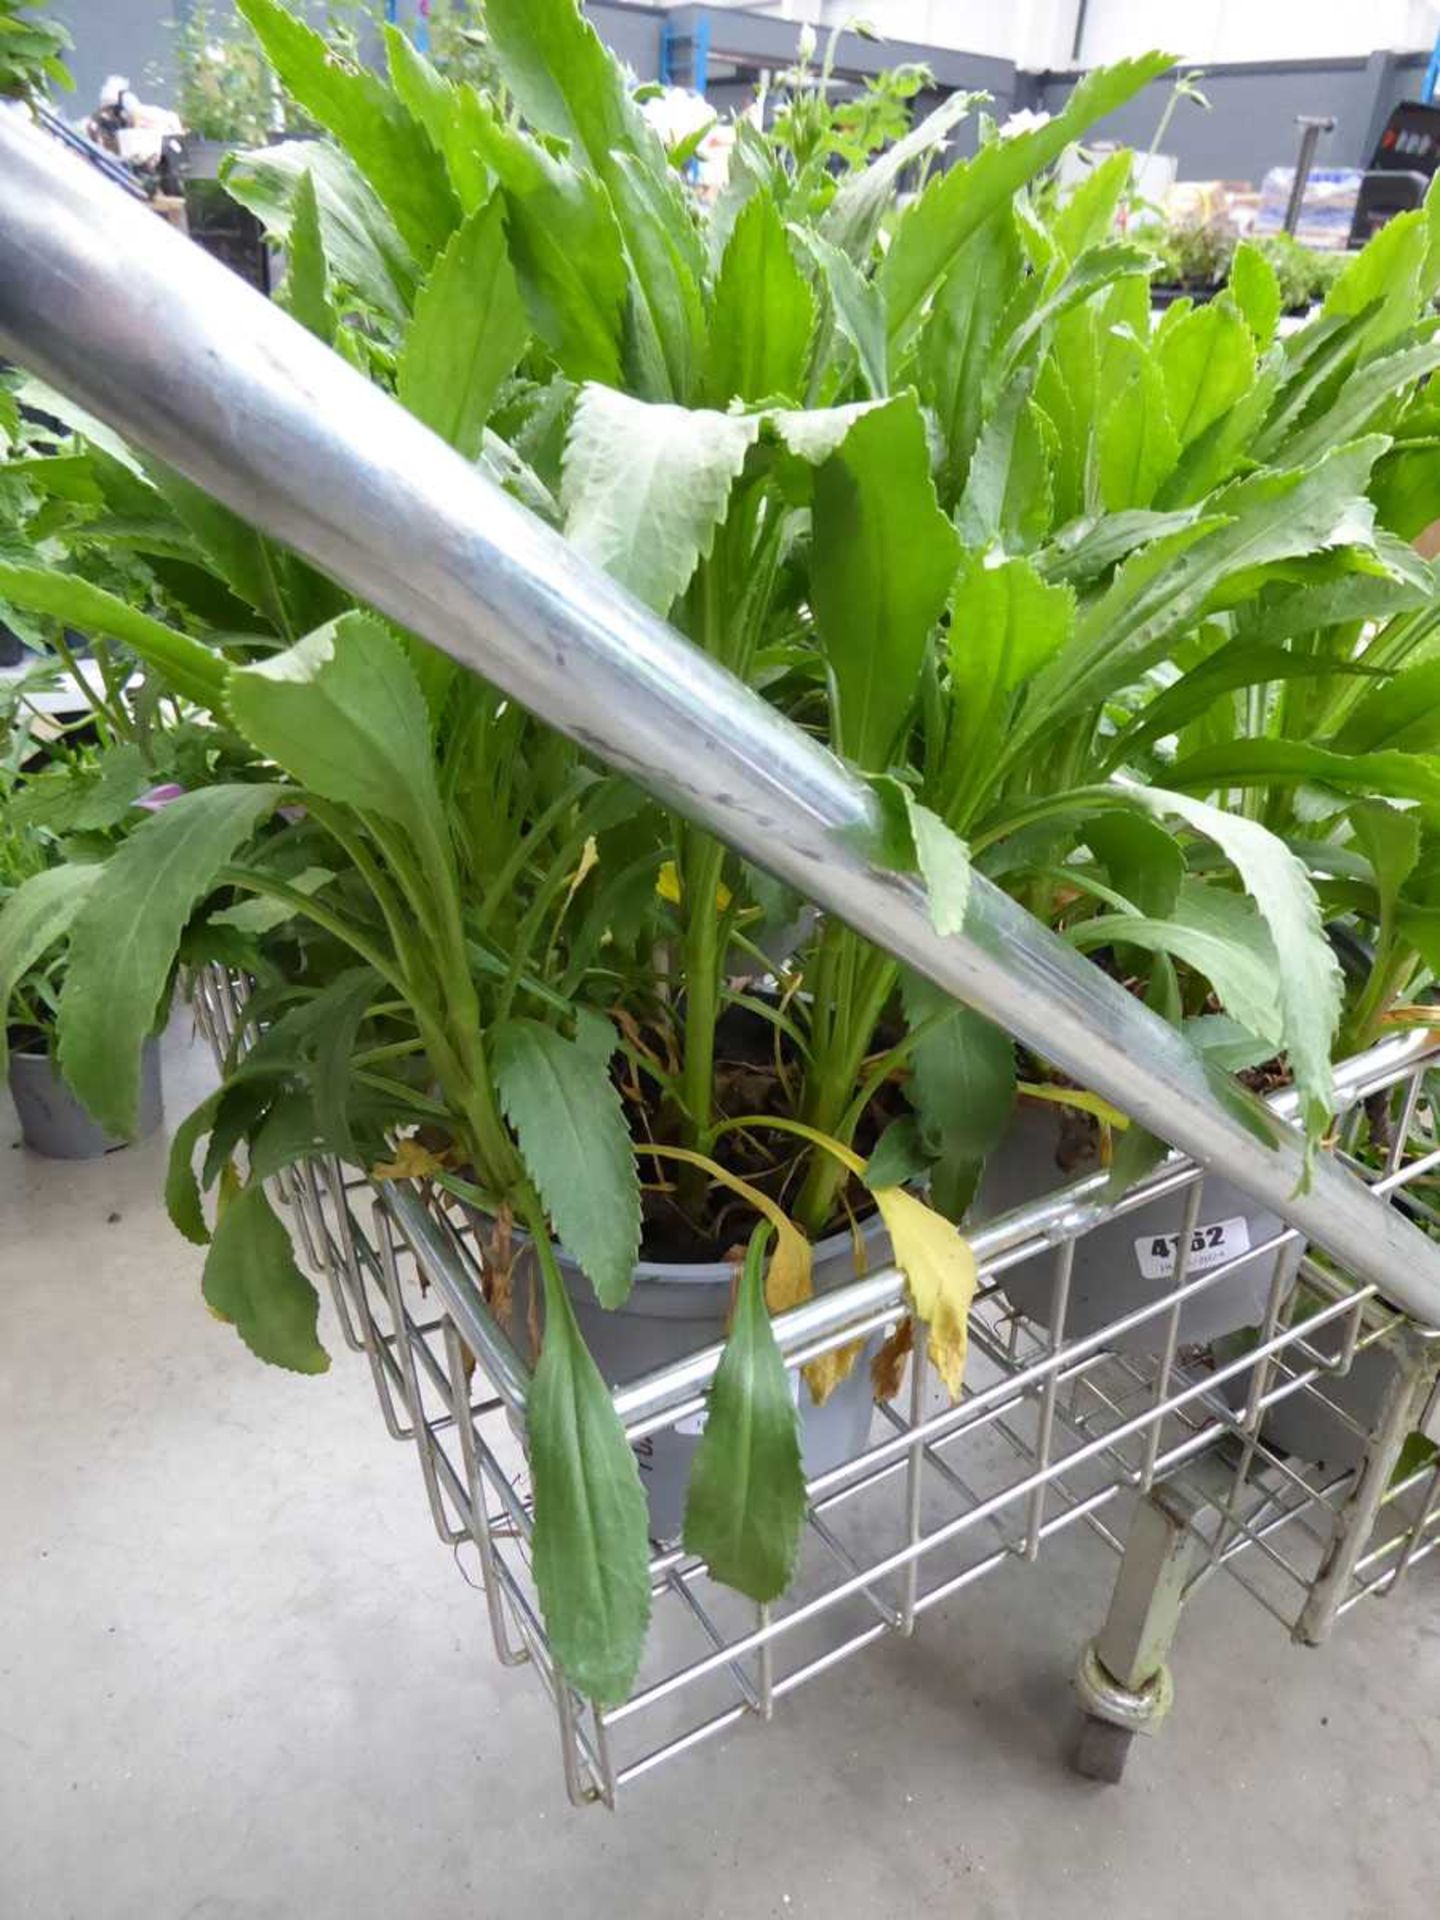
(52, 1120)
(1130, 1262)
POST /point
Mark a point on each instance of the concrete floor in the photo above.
(239, 1680)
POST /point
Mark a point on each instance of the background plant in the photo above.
(32, 51)
(223, 87)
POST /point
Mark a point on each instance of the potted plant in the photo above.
(481, 961)
(1197, 258)
(224, 93)
(53, 827)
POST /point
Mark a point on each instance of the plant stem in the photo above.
(704, 861)
(864, 982)
(1387, 976)
(311, 909)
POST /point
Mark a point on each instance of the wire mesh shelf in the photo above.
(1285, 1449)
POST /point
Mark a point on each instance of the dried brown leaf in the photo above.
(887, 1369)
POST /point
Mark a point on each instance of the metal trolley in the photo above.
(1164, 1451)
(1165, 1448)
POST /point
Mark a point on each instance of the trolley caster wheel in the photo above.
(1101, 1750)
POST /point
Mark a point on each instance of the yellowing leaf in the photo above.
(589, 860)
(1083, 1102)
(411, 1162)
(940, 1273)
(887, 1369)
(667, 885)
(824, 1374)
(788, 1281)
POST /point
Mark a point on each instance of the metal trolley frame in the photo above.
(1148, 1450)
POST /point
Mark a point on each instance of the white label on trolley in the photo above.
(1210, 1246)
(694, 1423)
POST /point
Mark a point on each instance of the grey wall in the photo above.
(1251, 124)
(136, 38)
(131, 37)
(633, 32)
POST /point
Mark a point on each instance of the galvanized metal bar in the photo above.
(150, 334)
(1399, 1410)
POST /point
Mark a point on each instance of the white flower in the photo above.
(1025, 121)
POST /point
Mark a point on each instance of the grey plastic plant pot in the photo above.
(674, 1309)
(1127, 1263)
(1314, 1426)
(52, 1120)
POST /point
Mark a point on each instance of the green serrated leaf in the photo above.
(306, 292)
(1291, 763)
(1088, 216)
(567, 81)
(1097, 268)
(1381, 283)
(1143, 859)
(1367, 394)
(852, 220)
(251, 1280)
(591, 1545)
(962, 1085)
(1256, 292)
(944, 863)
(900, 1157)
(343, 713)
(1402, 715)
(884, 559)
(363, 250)
(762, 315)
(1225, 1042)
(469, 329)
(959, 347)
(124, 940)
(184, 664)
(182, 1189)
(1217, 933)
(333, 1045)
(1308, 983)
(389, 147)
(1005, 623)
(290, 1132)
(442, 109)
(1254, 523)
(259, 915)
(855, 305)
(566, 247)
(1208, 362)
(89, 801)
(39, 912)
(745, 1506)
(956, 203)
(1135, 440)
(645, 487)
(1390, 841)
(1009, 490)
(568, 1118)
